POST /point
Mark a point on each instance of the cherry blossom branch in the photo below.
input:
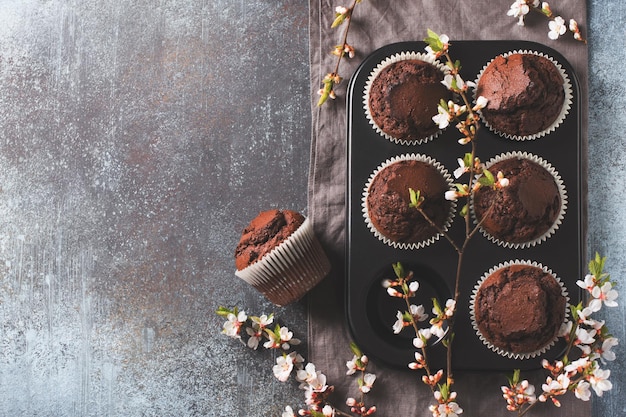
(312, 381)
(557, 25)
(467, 123)
(342, 15)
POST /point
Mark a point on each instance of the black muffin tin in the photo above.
(370, 311)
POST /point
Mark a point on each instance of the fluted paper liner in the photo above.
(291, 269)
(498, 350)
(402, 56)
(562, 192)
(567, 103)
(407, 157)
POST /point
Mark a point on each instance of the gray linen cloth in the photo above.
(375, 24)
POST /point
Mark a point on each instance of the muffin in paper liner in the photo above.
(445, 176)
(291, 269)
(567, 102)
(500, 349)
(402, 56)
(559, 185)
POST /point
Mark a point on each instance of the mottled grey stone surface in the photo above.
(137, 139)
(607, 165)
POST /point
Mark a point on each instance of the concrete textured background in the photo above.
(607, 164)
(137, 138)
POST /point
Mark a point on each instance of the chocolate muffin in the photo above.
(388, 201)
(526, 210)
(403, 99)
(280, 256)
(264, 233)
(519, 309)
(525, 91)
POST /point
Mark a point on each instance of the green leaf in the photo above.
(596, 266)
(437, 306)
(415, 197)
(514, 378)
(467, 160)
(486, 179)
(464, 211)
(433, 41)
(224, 312)
(444, 389)
(398, 269)
(355, 349)
(339, 19)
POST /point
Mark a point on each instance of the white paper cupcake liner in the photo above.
(498, 350)
(402, 56)
(291, 269)
(562, 193)
(567, 103)
(365, 210)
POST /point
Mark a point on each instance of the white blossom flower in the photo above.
(256, 331)
(605, 294)
(451, 195)
(422, 337)
(283, 339)
(288, 412)
(599, 381)
(450, 409)
(341, 10)
(418, 312)
(437, 330)
(519, 9)
(556, 386)
(255, 337)
(462, 169)
(442, 119)
(328, 411)
(233, 324)
(352, 365)
(456, 83)
(585, 337)
(481, 103)
(284, 366)
(311, 376)
(450, 308)
(588, 284)
(414, 286)
(582, 391)
(607, 354)
(578, 366)
(368, 381)
(263, 320)
(394, 293)
(565, 329)
(399, 324)
(557, 28)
